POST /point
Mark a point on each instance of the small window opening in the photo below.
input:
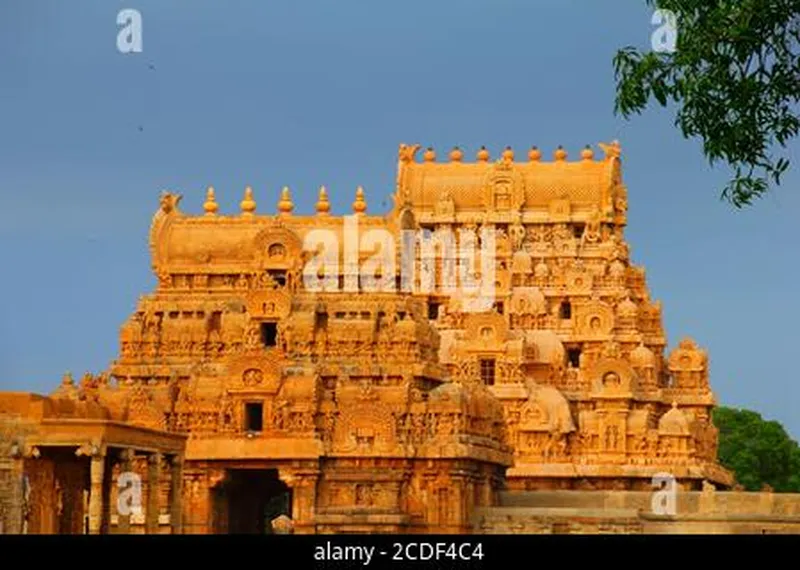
(574, 357)
(269, 334)
(254, 416)
(433, 311)
(279, 277)
(487, 371)
(215, 322)
(565, 310)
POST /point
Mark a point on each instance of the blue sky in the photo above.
(310, 93)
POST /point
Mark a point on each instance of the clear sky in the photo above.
(305, 93)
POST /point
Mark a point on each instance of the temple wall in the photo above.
(592, 512)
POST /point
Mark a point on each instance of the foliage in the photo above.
(758, 451)
(734, 76)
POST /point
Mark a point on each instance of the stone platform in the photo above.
(631, 512)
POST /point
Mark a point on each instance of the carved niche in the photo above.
(269, 304)
(277, 247)
(560, 210)
(261, 373)
(504, 189)
(445, 206)
(612, 376)
(485, 332)
(527, 301)
(578, 282)
(364, 428)
(594, 318)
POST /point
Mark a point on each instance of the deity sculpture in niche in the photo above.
(612, 381)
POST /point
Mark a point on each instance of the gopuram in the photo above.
(245, 392)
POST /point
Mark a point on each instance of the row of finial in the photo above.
(534, 154)
(285, 204)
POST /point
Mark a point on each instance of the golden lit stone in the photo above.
(239, 387)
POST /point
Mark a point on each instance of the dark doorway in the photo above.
(269, 334)
(252, 498)
(254, 416)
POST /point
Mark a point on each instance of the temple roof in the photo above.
(531, 184)
(587, 190)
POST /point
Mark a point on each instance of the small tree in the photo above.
(735, 77)
(759, 452)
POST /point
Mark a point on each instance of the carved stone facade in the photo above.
(398, 409)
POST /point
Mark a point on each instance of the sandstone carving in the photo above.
(402, 406)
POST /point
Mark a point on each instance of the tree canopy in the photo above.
(734, 76)
(759, 452)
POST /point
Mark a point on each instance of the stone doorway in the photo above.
(248, 500)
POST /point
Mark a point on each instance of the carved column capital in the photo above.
(216, 476)
(93, 449)
(127, 456)
(289, 478)
(22, 450)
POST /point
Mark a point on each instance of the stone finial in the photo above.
(248, 204)
(285, 204)
(534, 155)
(456, 155)
(210, 205)
(408, 152)
(360, 205)
(483, 155)
(613, 150)
(430, 155)
(169, 201)
(560, 154)
(508, 154)
(323, 205)
(587, 153)
(67, 379)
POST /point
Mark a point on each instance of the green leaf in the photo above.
(735, 82)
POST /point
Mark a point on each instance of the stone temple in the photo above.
(252, 394)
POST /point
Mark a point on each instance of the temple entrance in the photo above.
(249, 499)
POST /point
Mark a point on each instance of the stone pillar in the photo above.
(17, 522)
(303, 487)
(176, 495)
(96, 477)
(124, 515)
(153, 477)
(487, 488)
